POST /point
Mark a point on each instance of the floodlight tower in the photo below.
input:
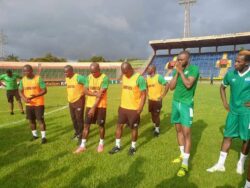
(3, 41)
(187, 4)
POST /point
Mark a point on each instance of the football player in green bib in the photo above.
(11, 85)
(184, 82)
(238, 118)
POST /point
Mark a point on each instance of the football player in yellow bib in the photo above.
(96, 105)
(32, 90)
(76, 98)
(132, 101)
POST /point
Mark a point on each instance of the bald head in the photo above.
(127, 69)
(95, 69)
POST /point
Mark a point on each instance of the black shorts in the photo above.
(154, 106)
(99, 117)
(11, 94)
(129, 117)
(35, 113)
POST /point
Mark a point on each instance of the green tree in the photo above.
(97, 59)
(49, 57)
(12, 58)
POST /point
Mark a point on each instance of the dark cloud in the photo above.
(112, 28)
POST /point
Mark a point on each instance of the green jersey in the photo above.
(181, 93)
(10, 82)
(239, 91)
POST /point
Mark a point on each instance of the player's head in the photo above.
(95, 69)
(28, 71)
(151, 69)
(68, 71)
(242, 60)
(183, 58)
(127, 69)
(9, 72)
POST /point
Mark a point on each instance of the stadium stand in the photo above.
(54, 72)
(214, 64)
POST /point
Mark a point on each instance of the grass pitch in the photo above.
(30, 164)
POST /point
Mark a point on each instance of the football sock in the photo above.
(133, 144)
(101, 142)
(222, 158)
(118, 142)
(185, 158)
(181, 150)
(83, 143)
(43, 133)
(34, 133)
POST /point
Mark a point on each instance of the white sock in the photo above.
(34, 133)
(247, 185)
(43, 133)
(133, 144)
(101, 142)
(181, 150)
(83, 143)
(157, 129)
(242, 158)
(222, 158)
(118, 142)
(185, 158)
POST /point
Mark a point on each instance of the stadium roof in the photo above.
(205, 41)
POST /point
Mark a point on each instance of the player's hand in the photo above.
(226, 106)
(91, 112)
(179, 67)
(160, 98)
(32, 97)
(247, 104)
(27, 100)
(139, 111)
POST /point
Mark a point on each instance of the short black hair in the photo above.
(69, 67)
(185, 52)
(28, 67)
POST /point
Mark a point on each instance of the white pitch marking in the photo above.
(46, 113)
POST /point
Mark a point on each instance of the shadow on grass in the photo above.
(198, 128)
(177, 182)
(32, 173)
(131, 179)
(78, 179)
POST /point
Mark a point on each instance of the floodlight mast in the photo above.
(3, 41)
(187, 4)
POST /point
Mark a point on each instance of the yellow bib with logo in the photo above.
(131, 94)
(154, 88)
(32, 87)
(74, 89)
(95, 85)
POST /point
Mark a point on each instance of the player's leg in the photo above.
(150, 110)
(187, 147)
(247, 185)
(156, 120)
(30, 115)
(122, 119)
(19, 102)
(134, 121)
(175, 120)
(73, 119)
(79, 110)
(244, 122)
(85, 133)
(39, 112)
(101, 118)
(10, 99)
(231, 131)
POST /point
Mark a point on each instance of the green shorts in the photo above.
(237, 126)
(182, 114)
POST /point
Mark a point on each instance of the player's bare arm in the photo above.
(173, 82)
(43, 92)
(99, 96)
(224, 97)
(142, 102)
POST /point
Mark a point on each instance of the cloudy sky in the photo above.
(115, 29)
